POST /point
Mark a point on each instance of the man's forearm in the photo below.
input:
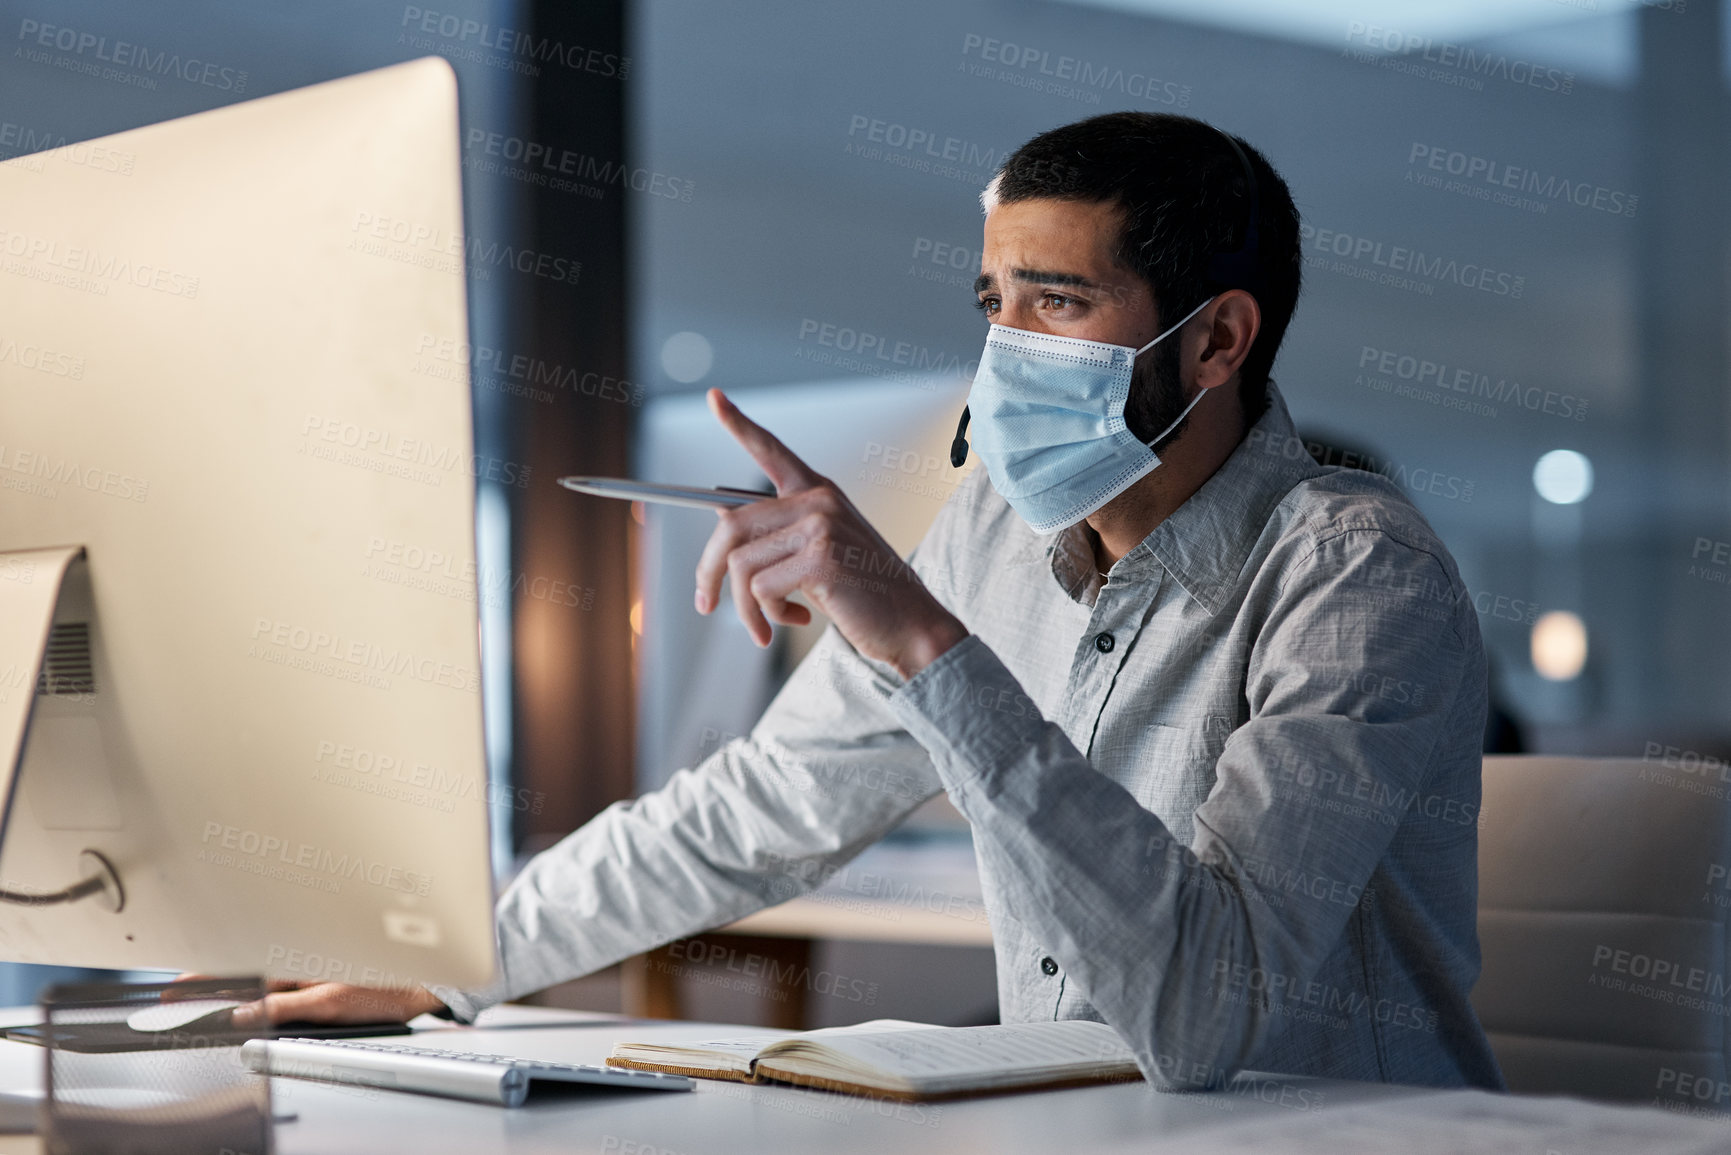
(757, 823)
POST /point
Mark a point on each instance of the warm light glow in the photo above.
(1559, 646)
(637, 617)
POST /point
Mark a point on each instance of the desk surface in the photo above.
(735, 1119)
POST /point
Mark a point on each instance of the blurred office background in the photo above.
(1516, 305)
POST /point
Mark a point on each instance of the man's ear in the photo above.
(1223, 340)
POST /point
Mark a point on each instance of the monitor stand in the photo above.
(116, 1038)
(105, 1018)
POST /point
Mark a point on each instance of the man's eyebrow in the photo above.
(1039, 277)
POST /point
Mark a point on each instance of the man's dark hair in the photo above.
(1185, 198)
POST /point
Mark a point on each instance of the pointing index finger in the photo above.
(778, 462)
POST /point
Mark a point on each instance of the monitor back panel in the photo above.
(214, 374)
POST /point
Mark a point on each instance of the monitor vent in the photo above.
(66, 668)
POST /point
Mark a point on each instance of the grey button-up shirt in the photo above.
(1225, 800)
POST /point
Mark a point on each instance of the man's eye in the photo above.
(987, 305)
(1058, 302)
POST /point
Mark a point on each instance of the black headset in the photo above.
(1238, 269)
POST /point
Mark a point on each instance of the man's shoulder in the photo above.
(1351, 503)
(1359, 536)
(974, 513)
(975, 497)
(973, 533)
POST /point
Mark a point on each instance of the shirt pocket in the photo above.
(1170, 769)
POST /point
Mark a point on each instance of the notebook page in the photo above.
(985, 1050)
(744, 1049)
(747, 1048)
(874, 1026)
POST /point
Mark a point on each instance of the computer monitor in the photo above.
(261, 703)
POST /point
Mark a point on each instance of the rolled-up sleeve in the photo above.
(1348, 679)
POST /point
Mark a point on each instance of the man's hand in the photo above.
(292, 1002)
(810, 539)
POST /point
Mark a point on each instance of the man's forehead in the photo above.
(1064, 243)
(1049, 214)
(1086, 233)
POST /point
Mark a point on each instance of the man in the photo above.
(1212, 710)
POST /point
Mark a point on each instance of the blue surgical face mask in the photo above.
(1048, 418)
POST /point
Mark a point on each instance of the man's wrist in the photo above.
(928, 645)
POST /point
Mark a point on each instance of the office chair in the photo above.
(1603, 904)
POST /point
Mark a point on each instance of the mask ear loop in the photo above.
(1176, 327)
(1164, 432)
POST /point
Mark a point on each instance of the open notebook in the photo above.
(891, 1059)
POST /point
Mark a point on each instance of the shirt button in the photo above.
(1049, 965)
(1104, 643)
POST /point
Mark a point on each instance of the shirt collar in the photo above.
(1205, 541)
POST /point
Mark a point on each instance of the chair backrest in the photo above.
(1604, 890)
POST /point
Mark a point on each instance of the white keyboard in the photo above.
(497, 1079)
